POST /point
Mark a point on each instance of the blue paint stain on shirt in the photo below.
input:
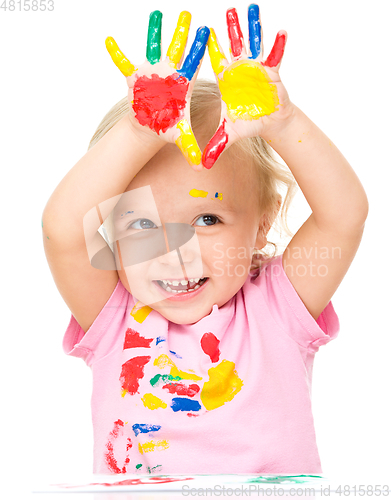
(160, 339)
(185, 404)
(175, 354)
(145, 428)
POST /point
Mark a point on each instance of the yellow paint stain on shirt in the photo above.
(198, 193)
(187, 143)
(223, 384)
(123, 392)
(247, 91)
(140, 313)
(153, 445)
(163, 360)
(153, 402)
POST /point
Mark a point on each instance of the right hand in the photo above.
(159, 93)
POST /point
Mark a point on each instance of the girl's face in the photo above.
(218, 232)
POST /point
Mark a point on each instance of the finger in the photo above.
(235, 34)
(216, 55)
(196, 53)
(154, 50)
(277, 51)
(119, 59)
(254, 31)
(215, 146)
(187, 143)
(179, 39)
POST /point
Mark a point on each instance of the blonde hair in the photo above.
(205, 108)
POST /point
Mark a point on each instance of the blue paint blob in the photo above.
(160, 339)
(185, 404)
(254, 30)
(145, 428)
(196, 53)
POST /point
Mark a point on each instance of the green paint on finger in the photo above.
(154, 37)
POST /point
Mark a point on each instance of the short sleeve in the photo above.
(101, 336)
(289, 311)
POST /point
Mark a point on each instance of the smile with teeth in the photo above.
(182, 286)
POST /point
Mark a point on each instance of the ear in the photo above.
(266, 223)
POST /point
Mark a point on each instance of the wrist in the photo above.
(145, 138)
(282, 128)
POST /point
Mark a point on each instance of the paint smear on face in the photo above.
(162, 378)
(210, 346)
(247, 91)
(153, 445)
(111, 460)
(219, 196)
(145, 428)
(215, 146)
(198, 193)
(140, 313)
(187, 143)
(222, 386)
(163, 360)
(185, 404)
(132, 372)
(133, 339)
(153, 402)
(181, 389)
(159, 103)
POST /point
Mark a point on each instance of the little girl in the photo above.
(201, 358)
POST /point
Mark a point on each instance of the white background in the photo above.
(57, 82)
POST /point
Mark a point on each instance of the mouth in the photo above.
(181, 286)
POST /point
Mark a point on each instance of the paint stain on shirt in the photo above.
(210, 346)
(153, 445)
(131, 373)
(153, 402)
(223, 384)
(133, 339)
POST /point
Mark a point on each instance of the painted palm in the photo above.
(160, 90)
(252, 94)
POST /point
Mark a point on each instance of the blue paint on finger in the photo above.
(254, 30)
(196, 53)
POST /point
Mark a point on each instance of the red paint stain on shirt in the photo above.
(181, 389)
(133, 339)
(215, 146)
(159, 103)
(132, 371)
(210, 346)
(111, 461)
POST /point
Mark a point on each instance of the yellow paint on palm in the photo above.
(163, 360)
(152, 446)
(118, 57)
(217, 58)
(178, 43)
(187, 143)
(222, 385)
(198, 193)
(247, 91)
(140, 313)
(153, 402)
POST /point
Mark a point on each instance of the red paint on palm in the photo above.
(210, 346)
(132, 371)
(234, 33)
(159, 103)
(277, 51)
(215, 146)
(133, 339)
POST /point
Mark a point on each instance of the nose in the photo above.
(180, 244)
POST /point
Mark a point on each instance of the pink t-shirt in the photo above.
(229, 394)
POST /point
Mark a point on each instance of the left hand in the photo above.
(253, 99)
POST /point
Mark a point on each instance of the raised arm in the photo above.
(106, 170)
(255, 102)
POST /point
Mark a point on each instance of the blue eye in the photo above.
(208, 219)
(144, 223)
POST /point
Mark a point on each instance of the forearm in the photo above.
(329, 184)
(102, 173)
